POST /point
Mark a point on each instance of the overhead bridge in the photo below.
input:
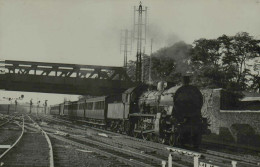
(63, 78)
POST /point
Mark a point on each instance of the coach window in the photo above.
(89, 106)
(74, 106)
(80, 106)
(102, 105)
(99, 105)
(96, 105)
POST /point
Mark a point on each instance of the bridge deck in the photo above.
(63, 78)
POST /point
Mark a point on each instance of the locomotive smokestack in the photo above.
(186, 80)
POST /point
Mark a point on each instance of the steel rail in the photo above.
(3, 116)
(8, 120)
(2, 155)
(228, 157)
(148, 143)
(101, 152)
(106, 145)
(48, 141)
(220, 156)
(141, 143)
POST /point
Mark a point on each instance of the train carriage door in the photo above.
(63, 108)
(84, 108)
(126, 101)
(75, 109)
(102, 106)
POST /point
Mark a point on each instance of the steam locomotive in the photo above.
(171, 116)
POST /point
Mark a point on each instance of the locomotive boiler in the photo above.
(172, 115)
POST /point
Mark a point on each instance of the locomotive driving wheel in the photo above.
(127, 128)
(144, 136)
(161, 140)
(173, 140)
(136, 134)
(196, 140)
(147, 136)
(154, 138)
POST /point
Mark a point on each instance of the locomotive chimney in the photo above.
(186, 80)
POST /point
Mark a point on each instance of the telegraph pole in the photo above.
(45, 106)
(150, 63)
(143, 69)
(31, 105)
(140, 36)
(10, 100)
(125, 44)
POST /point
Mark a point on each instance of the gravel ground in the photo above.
(66, 156)
(32, 150)
(9, 134)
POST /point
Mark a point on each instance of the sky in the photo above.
(88, 31)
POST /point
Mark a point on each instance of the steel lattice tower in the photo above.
(140, 36)
(125, 44)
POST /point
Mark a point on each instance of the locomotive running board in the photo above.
(142, 115)
(146, 131)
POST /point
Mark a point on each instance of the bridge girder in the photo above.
(63, 78)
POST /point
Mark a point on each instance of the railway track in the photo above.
(222, 157)
(231, 148)
(63, 155)
(124, 156)
(10, 133)
(30, 149)
(159, 150)
(6, 119)
(105, 147)
(67, 155)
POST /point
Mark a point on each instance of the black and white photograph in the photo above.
(129, 83)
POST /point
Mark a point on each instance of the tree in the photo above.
(206, 52)
(242, 49)
(205, 61)
(225, 61)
